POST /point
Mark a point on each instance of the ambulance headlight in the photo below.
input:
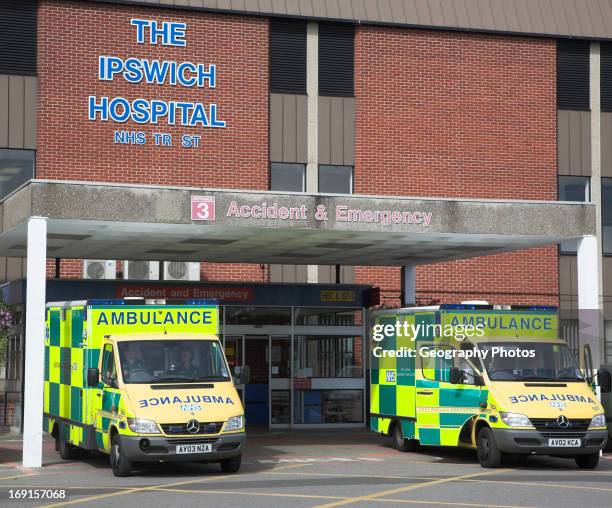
(140, 426)
(598, 421)
(235, 423)
(515, 420)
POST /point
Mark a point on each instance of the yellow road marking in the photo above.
(533, 484)
(348, 475)
(154, 487)
(388, 492)
(18, 476)
(448, 503)
(314, 496)
(250, 493)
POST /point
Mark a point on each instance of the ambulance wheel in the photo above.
(587, 461)
(231, 465)
(120, 463)
(399, 442)
(489, 455)
(65, 449)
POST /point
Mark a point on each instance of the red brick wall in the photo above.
(459, 115)
(73, 269)
(71, 36)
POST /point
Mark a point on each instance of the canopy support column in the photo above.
(34, 372)
(589, 308)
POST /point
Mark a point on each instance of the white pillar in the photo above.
(589, 310)
(312, 133)
(409, 285)
(34, 373)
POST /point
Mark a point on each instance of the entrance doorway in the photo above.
(266, 395)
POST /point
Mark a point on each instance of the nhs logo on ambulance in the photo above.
(390, 376)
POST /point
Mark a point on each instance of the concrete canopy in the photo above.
(117, 221)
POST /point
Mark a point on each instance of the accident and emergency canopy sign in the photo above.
(118, 319)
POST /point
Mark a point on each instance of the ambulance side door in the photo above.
(442, 408)
(107, 396)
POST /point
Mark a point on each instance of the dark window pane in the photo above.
(328, 406)
(287, 56)
(573, 188)
(606, 76)
(287, 177)
(18, 37)
(573, 67)
(606, 210)
(336, 60)
(16, 168)
(328, 357)
(336, 179)
(257, 315)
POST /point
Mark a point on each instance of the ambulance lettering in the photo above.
(555, 397)
(188, 399)
(155, 317)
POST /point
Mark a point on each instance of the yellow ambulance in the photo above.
(142, 381)
(496, 380)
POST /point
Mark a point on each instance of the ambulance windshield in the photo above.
(160, 361)
(529, 361)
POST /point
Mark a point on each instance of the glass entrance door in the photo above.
(256, 390)
(234, 353)
(280, 381)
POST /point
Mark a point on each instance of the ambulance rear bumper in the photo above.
(156, 448)
(532, 441)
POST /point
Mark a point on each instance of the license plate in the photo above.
(193, 448)
(570, 443)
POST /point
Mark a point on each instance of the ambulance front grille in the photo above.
(175, 429)
(550, 426)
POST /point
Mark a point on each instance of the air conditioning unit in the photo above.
(181, 270)
(99, 269)
(141, 270)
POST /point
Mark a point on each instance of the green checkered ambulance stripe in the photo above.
(65, 371)
(392, 380)
(447, 410)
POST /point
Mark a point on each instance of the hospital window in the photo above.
(16, 168)
(606, 76)
(287, 56)
(328, 406)
(335, 179)
(257, 315)
(606, 211)
(312, 316)
(573, 188)
(573, 67)
(336, 60)
(287, 177)
(328, 357)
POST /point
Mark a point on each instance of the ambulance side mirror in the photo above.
(93, 377)
(604, 380)
(455, 376)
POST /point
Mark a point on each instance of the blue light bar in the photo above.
(110, 301)
(143, 301)
(463, 306)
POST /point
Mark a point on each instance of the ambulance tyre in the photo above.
(587, 461)
(231, 465)
(489, 455)
(399, 442)
(65, 449)
(119, 461)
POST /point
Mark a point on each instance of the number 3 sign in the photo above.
(202, 208)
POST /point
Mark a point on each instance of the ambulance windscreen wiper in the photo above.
(213, 378)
